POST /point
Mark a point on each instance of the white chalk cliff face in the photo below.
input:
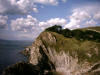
(65, 56)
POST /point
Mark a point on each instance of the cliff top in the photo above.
(85, 43)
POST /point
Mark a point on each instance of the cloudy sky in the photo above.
(26, 19)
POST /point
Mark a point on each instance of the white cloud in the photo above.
(35, 10)
(3, 22)
(23, 6)
(46, 2)
(84, 16)
(91, 23)
(15, 6)
(33, 26)
(30, 24)
(24, 24)
(78, 16)
(97, 15)
(51, 22)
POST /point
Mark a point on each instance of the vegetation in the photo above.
(22, 68)
(81, 42)
(86, 50)
(55, 28)
(97, 28)
(84, 43)
(79, 34)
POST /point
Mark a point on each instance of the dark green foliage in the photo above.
(86, 35)
(55, 28)
(66, 32)
(92, 35)
(22, 69)
(77, 33)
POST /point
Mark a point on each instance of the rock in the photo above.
(53, 51)
(54, 54)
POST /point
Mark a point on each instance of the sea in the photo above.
(10, 52)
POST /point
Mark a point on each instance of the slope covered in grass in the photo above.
(97, 28)
(85, 50)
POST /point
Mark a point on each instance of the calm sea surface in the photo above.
(10, 52)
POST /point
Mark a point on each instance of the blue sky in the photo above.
(26, 19)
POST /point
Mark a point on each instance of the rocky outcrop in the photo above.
(54, 54)
(50, 56)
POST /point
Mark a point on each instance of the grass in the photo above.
(97, 28)
(72, 45)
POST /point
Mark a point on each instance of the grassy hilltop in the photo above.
(84, 42)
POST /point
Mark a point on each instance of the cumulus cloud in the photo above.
(35, 10)
(77, 18)
(90, 23)
(80, 17)
(23, 6)
(80, 14)
(97, 15)
(15, 6)
(51, 22)
(46, 2)
(32, 25)
(84, 16)
(3, 22)
(24, 24)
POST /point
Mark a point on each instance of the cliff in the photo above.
(56, 54)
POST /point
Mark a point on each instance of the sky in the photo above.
(26, 19)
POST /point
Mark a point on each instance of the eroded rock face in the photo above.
(44, 54)
(35, 52)
(54, 54)
(39, 55)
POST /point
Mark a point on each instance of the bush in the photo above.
(92, 35)
(55, 28)
(77, 33)
(66, 32)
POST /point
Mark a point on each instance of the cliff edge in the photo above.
(60, 53)
(65, 55)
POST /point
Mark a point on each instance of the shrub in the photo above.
(66, 32)
(55, 28)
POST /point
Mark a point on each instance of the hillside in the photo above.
(97, 28)
(66, 52)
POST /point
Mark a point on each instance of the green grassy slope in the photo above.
(97, 28)
(86, 50)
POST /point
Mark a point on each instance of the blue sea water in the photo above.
(10, 52)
